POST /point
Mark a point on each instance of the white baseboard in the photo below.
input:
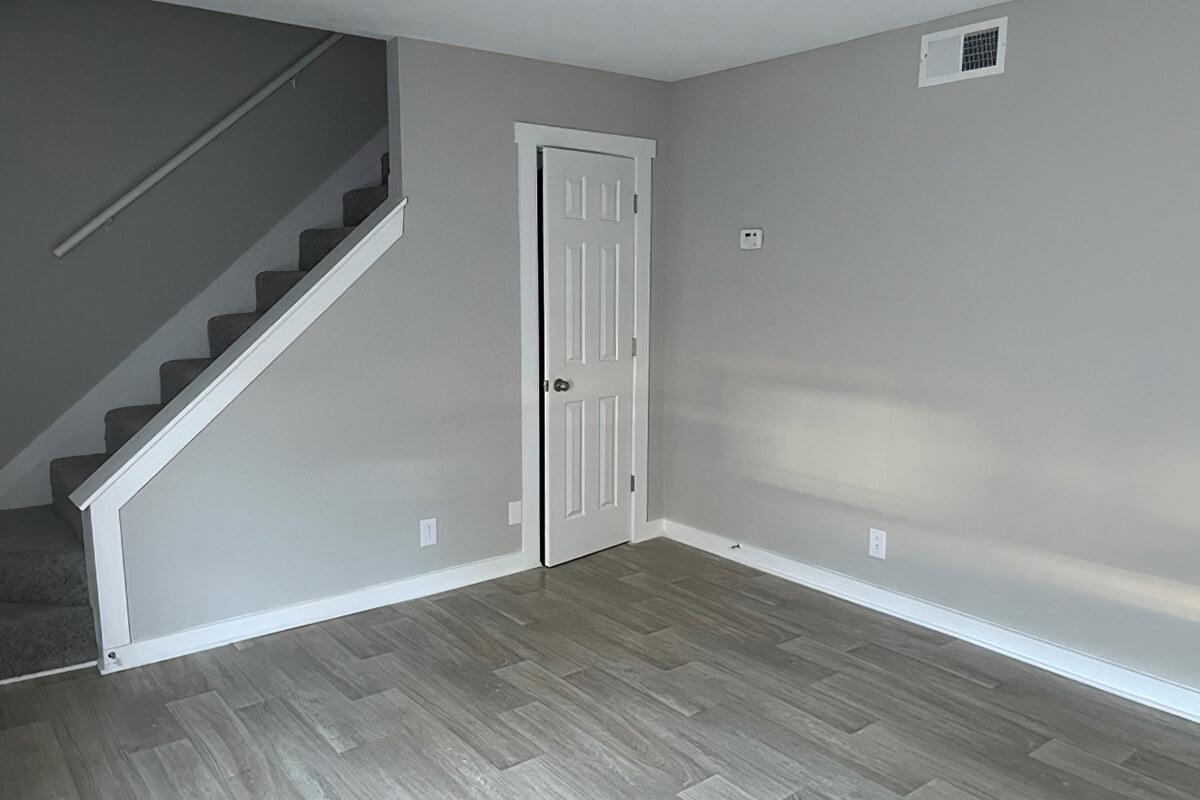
(1159, 693)
(205, 637)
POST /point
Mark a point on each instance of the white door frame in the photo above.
(529, 139)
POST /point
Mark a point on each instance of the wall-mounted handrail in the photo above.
(229, 120)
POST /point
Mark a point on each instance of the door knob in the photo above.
(561, 385)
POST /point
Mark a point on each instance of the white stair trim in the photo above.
(1131, 684)
(152, 448)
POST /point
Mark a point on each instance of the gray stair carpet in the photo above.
(45, 614)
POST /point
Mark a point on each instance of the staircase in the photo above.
(45, 613)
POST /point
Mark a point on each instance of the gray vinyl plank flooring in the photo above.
(648, 671)
(34, 764)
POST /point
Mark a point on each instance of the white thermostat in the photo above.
(751, 239)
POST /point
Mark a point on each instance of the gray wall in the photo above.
(402, 401)
(95, 96)
(973, 322)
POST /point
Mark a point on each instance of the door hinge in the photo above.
(635, 203)
(633, 483)
(635, 345)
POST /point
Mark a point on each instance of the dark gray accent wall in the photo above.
(94, 96)
(973, 322)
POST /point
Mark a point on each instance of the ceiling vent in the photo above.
(972, 51)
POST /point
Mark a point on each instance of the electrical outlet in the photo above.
(877, 547)
(428, 532)
(514, 512)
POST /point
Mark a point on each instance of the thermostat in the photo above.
(751, 239)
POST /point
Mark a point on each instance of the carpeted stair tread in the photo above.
(271, 286)
(174, 376)
(225, 329)
(120, 424)
(67, 475)
(41, 559)
(357, 205)
(36, 638)
(316, 243)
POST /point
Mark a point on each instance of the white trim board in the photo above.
(1148, 690)
(529, 139)
(206, 637)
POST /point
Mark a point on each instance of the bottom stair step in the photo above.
(67, 475)
(41, 559)
(36, 638)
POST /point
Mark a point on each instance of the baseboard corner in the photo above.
(650, 529)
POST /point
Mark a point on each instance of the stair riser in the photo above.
(175, 376)
(63, 482)
(115, 438)
(31, 646)
(50, 578)
(317, 243)
(119, 428)
(223, 332)
(67, 510)
(359, 204)
(270, 287)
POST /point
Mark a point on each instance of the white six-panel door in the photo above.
(588, 263)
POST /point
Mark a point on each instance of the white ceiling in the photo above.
(664, 39)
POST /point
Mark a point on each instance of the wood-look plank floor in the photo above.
(653, 671)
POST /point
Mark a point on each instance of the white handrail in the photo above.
(226, 122)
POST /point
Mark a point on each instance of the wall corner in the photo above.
(396, 175)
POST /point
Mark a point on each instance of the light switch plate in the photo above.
(751, 239)
(428, 532)
(514, 512)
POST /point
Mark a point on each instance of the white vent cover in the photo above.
(972, 51)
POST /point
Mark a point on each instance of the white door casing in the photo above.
(530, 139)
(588, 359)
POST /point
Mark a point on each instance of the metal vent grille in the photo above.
(981, 49)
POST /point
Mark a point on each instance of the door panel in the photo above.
(588, 245)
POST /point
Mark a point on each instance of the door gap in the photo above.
(541, 248)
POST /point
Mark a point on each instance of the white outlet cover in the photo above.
(877, 544)
(428, 532)
(514, 512)
(750, 239)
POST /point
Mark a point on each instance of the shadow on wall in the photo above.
(960, 484)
